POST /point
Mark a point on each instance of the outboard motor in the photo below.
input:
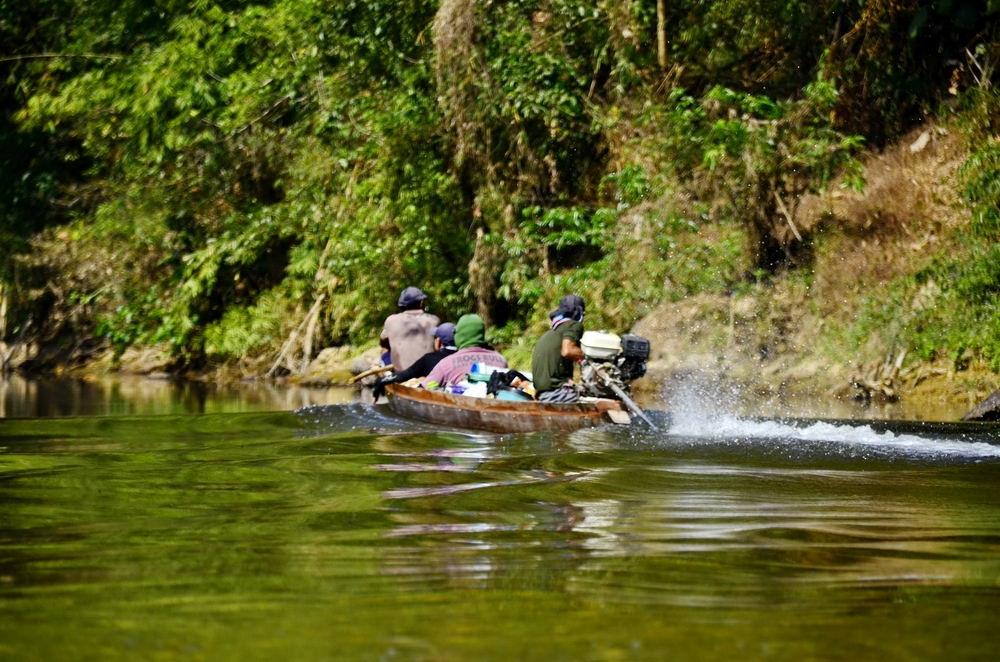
(635, 353)
(612, 362)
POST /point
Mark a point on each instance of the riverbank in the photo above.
(856, 322)
(736, 383)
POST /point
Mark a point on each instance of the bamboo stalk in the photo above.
(308, 326)
(661, 34)
(55, 56)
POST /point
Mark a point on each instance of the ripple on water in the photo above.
(345, 524)
(837, 438)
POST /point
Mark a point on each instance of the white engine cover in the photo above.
(599, 345)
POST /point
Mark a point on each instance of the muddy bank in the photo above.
(695, 354)
(332, 366)
(772, 351)
(796, 333)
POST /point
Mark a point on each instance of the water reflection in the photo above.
(121, 395)
(445, 510)
(700, 533)
(351, 533)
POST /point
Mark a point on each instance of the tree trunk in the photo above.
(484, 270)
(3, 311)
(661, 34)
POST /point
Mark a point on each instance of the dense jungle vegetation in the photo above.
(225, 176)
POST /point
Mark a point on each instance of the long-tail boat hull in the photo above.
(499, 415)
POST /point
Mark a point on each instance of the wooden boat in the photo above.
(501, 415)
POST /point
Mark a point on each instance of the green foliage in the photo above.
(540, 79)
(758, 154)
(953, 304)
(247, 330)
(981, 175)
(763, 46)
(133, 321)
(899, 58)
(630, 186)
(230, 163)
(566, 227)
(243, 147)
(950, 306)
(693, 263)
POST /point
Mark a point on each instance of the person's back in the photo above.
(470, 338)
(454, 368)
(554, 353)
(410, 333)
(549, 368)
(444, 346)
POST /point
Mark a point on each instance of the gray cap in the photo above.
(445, 333)
(410, 297)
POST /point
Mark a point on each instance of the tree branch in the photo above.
(55, 56)
(788, 217)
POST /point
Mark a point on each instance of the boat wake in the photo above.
(860, 438)
(702, 411)
(356, 417)
(702, 416)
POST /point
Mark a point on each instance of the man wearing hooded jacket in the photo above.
(470, 339)
(556, 351)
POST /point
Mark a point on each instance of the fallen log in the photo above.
(987, 410)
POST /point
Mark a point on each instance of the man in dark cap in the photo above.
(444, 346)
(409, 334)
(556, 351)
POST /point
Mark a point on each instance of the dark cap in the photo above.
(445, 333)
(570, 306)
(410, 297)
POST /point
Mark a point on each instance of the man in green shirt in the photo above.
(556, 351)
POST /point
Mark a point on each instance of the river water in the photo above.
(341, 531)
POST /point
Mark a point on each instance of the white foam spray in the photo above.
(703, 408)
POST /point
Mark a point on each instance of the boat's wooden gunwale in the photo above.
(496, 415)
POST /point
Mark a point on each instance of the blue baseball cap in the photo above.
(410, 297)
(445, 333)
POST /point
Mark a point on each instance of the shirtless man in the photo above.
(409, 334)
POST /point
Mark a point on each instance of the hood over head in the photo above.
(470, 331)
(571, 307)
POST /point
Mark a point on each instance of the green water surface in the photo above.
(345, 533)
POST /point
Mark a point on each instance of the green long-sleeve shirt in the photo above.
(549, 370)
